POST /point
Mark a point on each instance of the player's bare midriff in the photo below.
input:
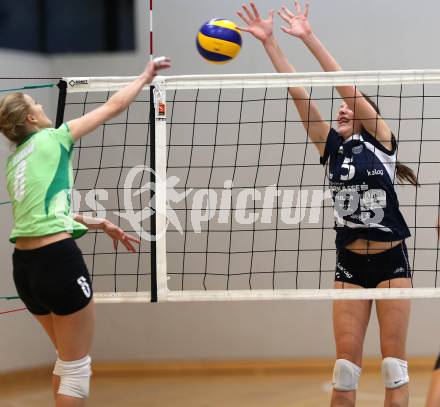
(364, 247)
(31, 243)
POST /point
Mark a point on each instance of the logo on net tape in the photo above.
(161, 110)
(78, 82)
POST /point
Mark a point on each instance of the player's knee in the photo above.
(394, 372)
(345, 375)
(74, 377)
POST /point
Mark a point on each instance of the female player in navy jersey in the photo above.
(370, 230)
(49, 271)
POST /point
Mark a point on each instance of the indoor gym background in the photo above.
(362, 36)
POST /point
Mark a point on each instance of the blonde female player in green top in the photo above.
(49, 271)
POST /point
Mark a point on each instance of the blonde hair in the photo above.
(13, 112)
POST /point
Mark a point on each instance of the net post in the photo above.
(152, 196)
(159, 173)
(62, 86)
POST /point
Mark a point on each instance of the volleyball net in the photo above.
(217, 175)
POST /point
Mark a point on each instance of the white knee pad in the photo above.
(394, 372)
(74, 377)
(345, 375)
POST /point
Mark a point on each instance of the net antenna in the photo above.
(151, 31)
(239, 197)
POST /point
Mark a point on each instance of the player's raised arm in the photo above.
(262, 29)
(118, 102)
(298, 25)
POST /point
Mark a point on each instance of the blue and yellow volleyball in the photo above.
(219, 41)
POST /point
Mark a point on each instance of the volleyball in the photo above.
(219, 41)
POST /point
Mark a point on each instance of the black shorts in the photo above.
(52, 279)
(370, 270)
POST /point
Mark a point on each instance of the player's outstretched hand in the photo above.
(154, 66)
(260, 28)
(118, 235)
(298, 24)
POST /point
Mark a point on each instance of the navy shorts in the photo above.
(53, 278)
(370, 270)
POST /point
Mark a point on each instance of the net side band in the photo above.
(272, 80)
(271, 295)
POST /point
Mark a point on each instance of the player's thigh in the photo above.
(47, 323)
(350, 322)
(74, 333)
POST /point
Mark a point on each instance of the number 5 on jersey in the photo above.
(348, 165)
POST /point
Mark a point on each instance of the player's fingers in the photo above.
(271, 13)
(160, 60)
(129, 246)
(297, 7)
(306, 10)
(247, 11)
(284, 16)
(132, 239)
(287, 11)
(243, 29)
(254, 9)
(161, 63)
(244, 18)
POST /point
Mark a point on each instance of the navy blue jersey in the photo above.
(361, 177)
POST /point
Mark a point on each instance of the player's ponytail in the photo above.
(403, 173)
(13, 112)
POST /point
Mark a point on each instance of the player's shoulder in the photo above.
(368, 138)
(43, 134)
(60, 135)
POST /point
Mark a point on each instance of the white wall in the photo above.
(362, 35)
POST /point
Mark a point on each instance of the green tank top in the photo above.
(39, 180)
